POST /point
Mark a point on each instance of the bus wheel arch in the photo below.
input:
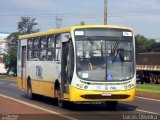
(57, 88)
(57, 92)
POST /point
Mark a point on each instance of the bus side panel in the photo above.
(19, 82)
(43, 88)
(48, 89)
(42, 75)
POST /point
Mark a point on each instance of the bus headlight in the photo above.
(125, 87)
(85, 87)
(129, 86)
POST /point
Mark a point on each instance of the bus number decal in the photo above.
(39, 71)
(98, 87)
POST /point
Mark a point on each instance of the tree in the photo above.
(156, 47)
(82, 23)
(144, 44)
(10, 59)
(27, 25)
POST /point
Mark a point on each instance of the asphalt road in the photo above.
(140, 109)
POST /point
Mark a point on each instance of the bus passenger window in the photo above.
(50, 54)
(29, 55)
(50, 51)
(36, 43)
(43, 55)
(30, 47)
(58, 48)
(35, 55)
(43, 43)
(51, 41)
(30, 43)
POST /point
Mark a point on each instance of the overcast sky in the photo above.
(142, 15)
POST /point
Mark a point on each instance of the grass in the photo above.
(6, 77)
(150, 88)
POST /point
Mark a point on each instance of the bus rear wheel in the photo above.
(29, 91)
(151, 78)
(158, 79)
(112, 105)
(155, 79)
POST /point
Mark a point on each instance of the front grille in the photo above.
(99, 96)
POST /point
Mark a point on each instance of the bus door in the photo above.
(23, 67)
(64, 68)
(67, 66)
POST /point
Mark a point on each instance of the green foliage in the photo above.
(27, 25)
(144, 44)
(10, 59)
(82, 23)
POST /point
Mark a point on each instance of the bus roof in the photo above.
(68, 29)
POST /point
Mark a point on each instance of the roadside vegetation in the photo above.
(6, 77)
(148, 88)
(26, 25)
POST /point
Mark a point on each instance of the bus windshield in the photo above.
(104, 57)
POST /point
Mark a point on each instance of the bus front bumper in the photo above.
(77, 95)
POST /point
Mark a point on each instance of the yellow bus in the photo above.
(79, 64)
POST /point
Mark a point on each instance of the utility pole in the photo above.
(58, 22)
(105, 12)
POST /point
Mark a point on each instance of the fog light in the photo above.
(85, 87)
(81, 85)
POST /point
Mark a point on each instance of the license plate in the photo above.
(106, 94)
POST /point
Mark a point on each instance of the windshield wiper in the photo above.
(93, 42)
(116, 46)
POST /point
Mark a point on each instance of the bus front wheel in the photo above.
(62, 103)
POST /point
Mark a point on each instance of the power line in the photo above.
(86, 15)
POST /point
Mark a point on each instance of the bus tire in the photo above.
(151, 78)
(158, 79)
(112, 105)
(56, 88)
(29, 90)
(62, 103)
(155, 79)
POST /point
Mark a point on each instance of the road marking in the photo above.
(13, 85)
(147, 111)
(148, 98)
(37, 107)
(144, 111)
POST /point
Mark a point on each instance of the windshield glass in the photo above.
(101, 58)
